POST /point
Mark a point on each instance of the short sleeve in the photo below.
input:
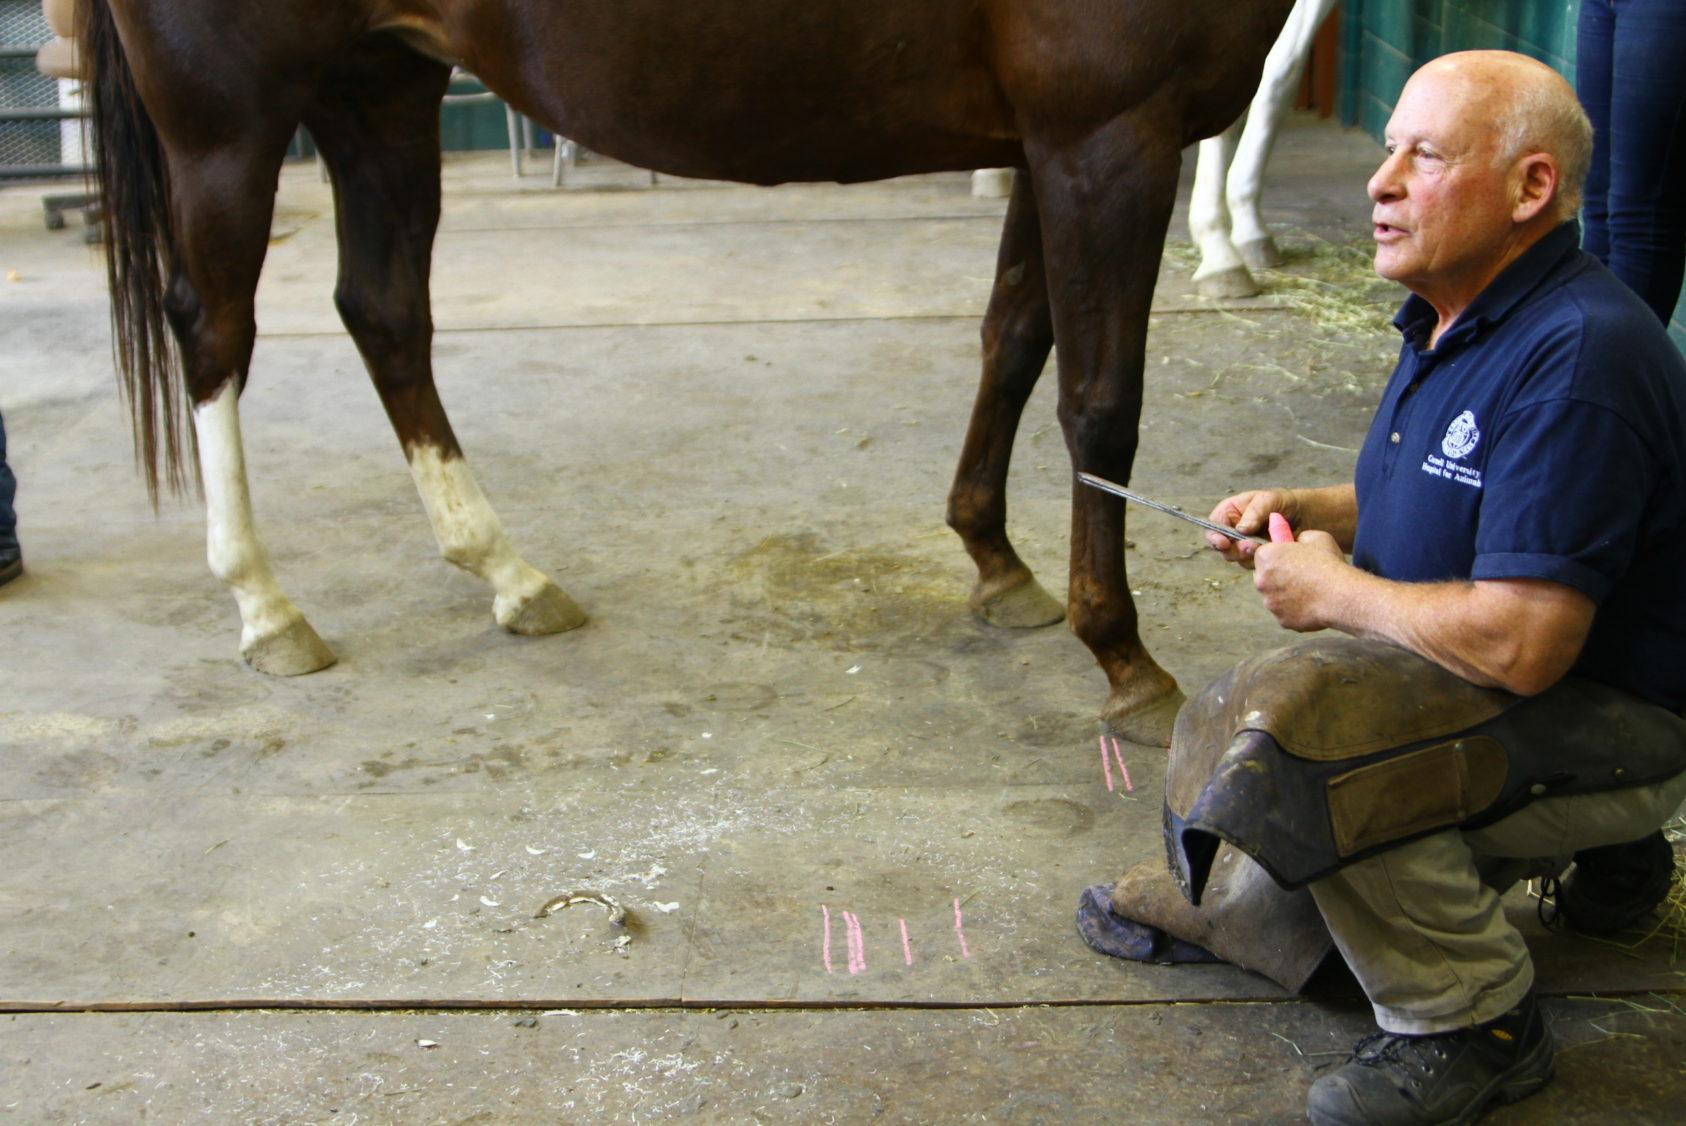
(1564, 494)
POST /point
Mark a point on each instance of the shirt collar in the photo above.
(1416, 317)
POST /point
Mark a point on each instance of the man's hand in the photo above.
(1298, 579)
(1330, 508)
(1248, 512)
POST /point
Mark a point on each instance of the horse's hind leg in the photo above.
(377, 121)
(1017, 335)
(222, 200)
(1282, 70)
(1106, 201)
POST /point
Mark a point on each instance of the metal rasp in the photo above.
(1116, 490)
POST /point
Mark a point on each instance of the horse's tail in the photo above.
(129, 175)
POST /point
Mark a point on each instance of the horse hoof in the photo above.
(293, 651)
(992, 183)
(1229, 284)
(1150, 723)
(545, 611)
(1025, 605)
(1261, 254)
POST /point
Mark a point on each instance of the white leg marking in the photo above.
(992, 183)
(469, 532)
(1208, 219)
(232, 546)
(1281, 79)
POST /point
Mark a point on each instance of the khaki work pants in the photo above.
(1422, 926)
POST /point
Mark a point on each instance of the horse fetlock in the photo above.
(544, 611)
(293, 648)
(1017, 601)
(468, 555)
(1261, 253)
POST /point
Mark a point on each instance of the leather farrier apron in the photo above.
(1313, 756)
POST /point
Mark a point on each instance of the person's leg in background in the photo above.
(1594, 32)
(1644, 142)
(11, 559)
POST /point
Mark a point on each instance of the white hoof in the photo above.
(1261, 254)
(1227, 284)
(992, 183)
(292, 651)
(546, 610)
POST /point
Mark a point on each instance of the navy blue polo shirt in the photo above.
(1543, 437)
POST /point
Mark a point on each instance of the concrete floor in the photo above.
(724, 419)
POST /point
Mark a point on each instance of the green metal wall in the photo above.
(472, 125)
(1383, 41)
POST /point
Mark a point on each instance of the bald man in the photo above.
(1515, 517)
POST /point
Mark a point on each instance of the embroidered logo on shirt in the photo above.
(1458, 443)
(1461, 436)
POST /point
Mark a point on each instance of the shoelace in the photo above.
(1382, 1048)
(1549, 906)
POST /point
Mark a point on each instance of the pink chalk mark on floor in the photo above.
(907, 946)
(825, 943)
(959, 929)
(1106, 765)
(857, 943)
(1122, 769)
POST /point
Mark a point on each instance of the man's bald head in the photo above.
(1531, 109)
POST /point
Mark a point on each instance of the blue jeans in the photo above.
(1631, 77)
(8, 491)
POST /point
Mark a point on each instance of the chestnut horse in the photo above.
(195, 102)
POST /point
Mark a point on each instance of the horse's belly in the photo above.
(764, 92)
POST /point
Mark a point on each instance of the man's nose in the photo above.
(1385, 183)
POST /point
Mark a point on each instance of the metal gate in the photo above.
(40, 117)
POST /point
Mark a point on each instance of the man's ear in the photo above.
(1538, 178)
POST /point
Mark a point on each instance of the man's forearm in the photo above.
(1331, 508)
(1522, 636)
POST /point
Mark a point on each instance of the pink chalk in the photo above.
(857, 943)
(1280, 530)
(1106, 765)
(825, 943)
(907, 947)
(1122, 769)
(959, 930)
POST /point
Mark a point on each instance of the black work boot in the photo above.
(11, 565)
(1611, 888)
(1444, 1078)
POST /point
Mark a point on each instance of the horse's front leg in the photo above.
(1106, 202)
(1017, 335)
(1221, 272)
(383, 154)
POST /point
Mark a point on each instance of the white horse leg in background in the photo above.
(992, 183)
(1231, 235)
